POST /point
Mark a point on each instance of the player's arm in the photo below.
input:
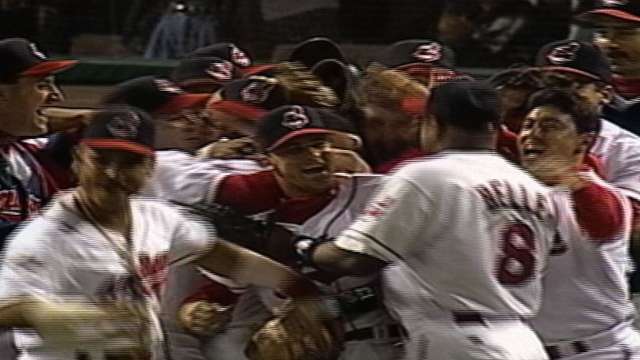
(247, 267)
(384, 233)
(599, 211)
(13, 312)
(331, 258)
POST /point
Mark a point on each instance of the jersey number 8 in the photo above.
(518, 261)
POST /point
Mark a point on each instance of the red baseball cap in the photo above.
(625, 10)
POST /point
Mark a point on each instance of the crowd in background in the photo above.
(491, 32)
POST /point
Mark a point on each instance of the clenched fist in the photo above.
(203, 317)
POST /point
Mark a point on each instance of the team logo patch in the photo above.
(380, 207)
(563, 54)
(429, 52)
(125, 126)
(221, 71)
(258, 90)
(615, 2)
(167, 86)
(35, 51)
(239, 57)
(295, 118)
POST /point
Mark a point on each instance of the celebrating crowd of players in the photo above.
(432, 215)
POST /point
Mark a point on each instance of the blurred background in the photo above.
(484, 33)
(116, 40)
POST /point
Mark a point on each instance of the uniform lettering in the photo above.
(154, 271)
(500, 194)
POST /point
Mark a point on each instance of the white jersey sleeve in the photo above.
(181, 177)
(191, 238)
(619, 151)
(391, 223)
(31, 265)
(578, 268)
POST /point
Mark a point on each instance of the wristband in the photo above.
(304, 247)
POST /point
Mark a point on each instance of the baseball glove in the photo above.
(301, 330)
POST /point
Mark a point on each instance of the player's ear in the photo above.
(607, 92)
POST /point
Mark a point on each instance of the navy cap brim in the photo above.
(572, 71)
(338, 139)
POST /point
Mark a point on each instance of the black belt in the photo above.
(554, 352)
(81, 355)
(474, 317)
(392, 331)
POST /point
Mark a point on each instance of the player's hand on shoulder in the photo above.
(224, 148)
(203, 317)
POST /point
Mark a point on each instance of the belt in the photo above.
(375, 332)
(478, 318)
(602, 340)
(578, 347)
(81, 355)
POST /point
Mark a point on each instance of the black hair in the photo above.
(585, 118)
(467, 104)
(519, 76)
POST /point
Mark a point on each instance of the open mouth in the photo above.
(532, 152)
(316, 170)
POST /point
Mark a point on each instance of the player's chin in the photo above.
(530, 162)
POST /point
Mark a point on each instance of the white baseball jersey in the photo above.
(351, 199)
(619, 151)
(59, 256)
(467, 230)
(179, 176)
(585, 285)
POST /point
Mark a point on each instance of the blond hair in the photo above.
(304, 88)
(388, 88)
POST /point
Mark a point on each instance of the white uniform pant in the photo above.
(619, 343)
(229, 345)
(492, 340)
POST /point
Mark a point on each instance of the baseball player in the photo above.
(26, 87)
(389, 125)
(617, 34)
(236, 107)
(204, 74)
(312, 204)
(591, 251)
(181, 121)
(427, 61)
(463, 236)
(182, 127)
(83, 279)
(580, 66)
